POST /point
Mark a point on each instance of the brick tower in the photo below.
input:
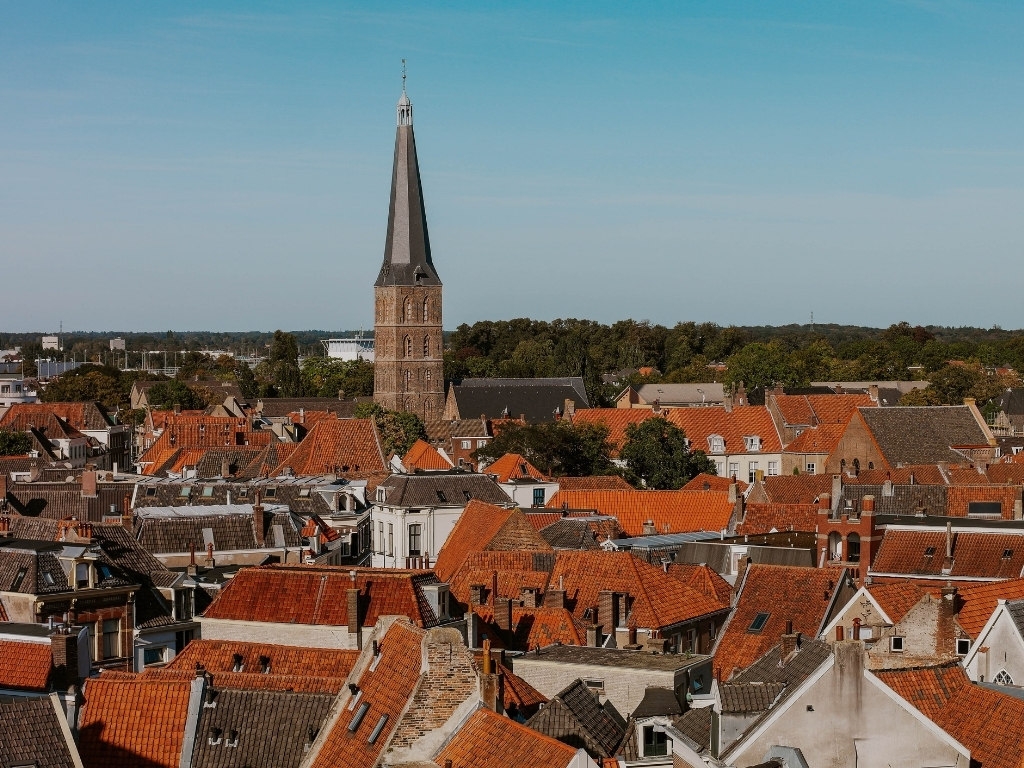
(408, 348)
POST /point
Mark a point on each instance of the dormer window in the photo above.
(752, 442)
(716, 443)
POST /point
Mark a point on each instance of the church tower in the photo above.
(408, 347)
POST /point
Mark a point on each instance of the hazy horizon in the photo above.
(216, 164)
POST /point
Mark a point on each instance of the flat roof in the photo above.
(24, 630)
(31, 545)
(611, 657)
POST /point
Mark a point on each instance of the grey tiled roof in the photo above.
(1016, 610)
(749, 697)
(569, 533)
(32, 735)
(923, 435)
(164, 535)
(536, 399)
(57, 501)
(905, 499)
(576, 708)
(300, 497)
(276, 407)
(272, 728)
(809, 657)
(23, 568)
(696, 725)
(442, 489)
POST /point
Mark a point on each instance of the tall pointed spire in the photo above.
(407, 249)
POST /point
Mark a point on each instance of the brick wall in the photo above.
(856, 443)
(451, 679)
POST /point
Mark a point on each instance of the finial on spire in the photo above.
(404, 105)
(403, 75)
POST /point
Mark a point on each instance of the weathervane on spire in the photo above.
(403, 75)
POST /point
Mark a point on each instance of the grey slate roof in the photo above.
(923, 435)
(536, 399)
(407, 248)
(749, 697)
(575, 711)
(57, 501)
(613, 657)
(905, 499)
(272, 728)
(569, 533)
(1012, 402)
(658, 701)
(442, 489)
(277, 407)
(229, 532)
(298, 494)
(32, 735)
(696, 725)
(1016, 610)
(811, 655)
(24, 564)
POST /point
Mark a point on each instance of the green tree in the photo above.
(398, 430)
(167, 394)
(921, 397)
(556, 448)
(95, 382)
(761, 365)
(14, 443)
(247, 383)
(324, 377)
(284, 365)
(658, 458)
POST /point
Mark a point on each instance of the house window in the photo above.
(773, 468)
(152, 656)
(538, 497)
(810, 468)
(441, 497)
(753, 443)
(594, 685)
(758, 623)
(1003, 678)
(853, 548)
(81, 575)
(467, 444)
(963, 646)
(691, 640)
(380, 539)
(20, 577)
(655, 742)
(720, 468)
(716, 443)
(271, 493)
(414, 540)
(184, 492)
(111, 638)
(751, 471)
(208, 491)
(985, 508)
(734, 468)
(391, 539)
(151, 492)
(896, 644)
(481, 443)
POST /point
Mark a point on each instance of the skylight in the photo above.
(758, 623)
(929, 551)
(441, 497)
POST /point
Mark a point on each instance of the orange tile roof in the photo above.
(130, 722)
(671, 511)
(25, 666)
(519, 694)
(513, 466)
(387, 689)
(616, 419)
(796, 410)
(53, 426)
(218, 656)
(701, 423)
(253, 681)
(423, 455)
(985, 721)
(922, 474)
(183, 432)
(72, 413)
(340, 446)
(975, 555)
(713, 483)
(979, 602)
(837, 409)
(477, 526)
(532, 628)
(703, 579)
(659, 600)
(318, 595)
(959, 498)
(823, 439)
(898, 597)
(785, 593)
(488, 740)
(796, 489)
(594, 483)
(765, 518)
(513, 570)
(1007, 472)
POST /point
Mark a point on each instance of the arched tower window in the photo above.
(426, 346)
(408, 346)
(835, 546)
(426, 310)
(407, 311)
(408, 380)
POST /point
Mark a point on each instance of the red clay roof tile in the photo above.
(513, 466)
(488, 740)
(341, 446)
(670, 511)
(25, 666)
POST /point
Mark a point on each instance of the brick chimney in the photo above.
(554, 598)
(210, 562)
(225, 467)
(734, 491)
(789, 642)
(476, 594)
(355, 625)
(867, 507)
(593, 635)
(89, 484)
(649, 529)
(529, 596)
(491, 688)
(177, 409)
(503, 614)
(64, 647)
(258, 522)
(3, 488)
(33, 472)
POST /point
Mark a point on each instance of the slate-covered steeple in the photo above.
(407, 250)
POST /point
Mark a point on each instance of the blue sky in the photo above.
(225, 166)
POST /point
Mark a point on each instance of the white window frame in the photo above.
(773, 468)
(897, 640)
(810, 468)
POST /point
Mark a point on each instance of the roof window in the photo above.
(208, 491)
(441, 497)
(1007, 554)
(357, 718)
(184, 492)
(304, 493)
(271, 493)
(752, 442)
(716, 443)
(468, 495)
(19, 577)
(758, 623)
(151, 491)
(929, 551)
(48, 579)
(378, 728)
